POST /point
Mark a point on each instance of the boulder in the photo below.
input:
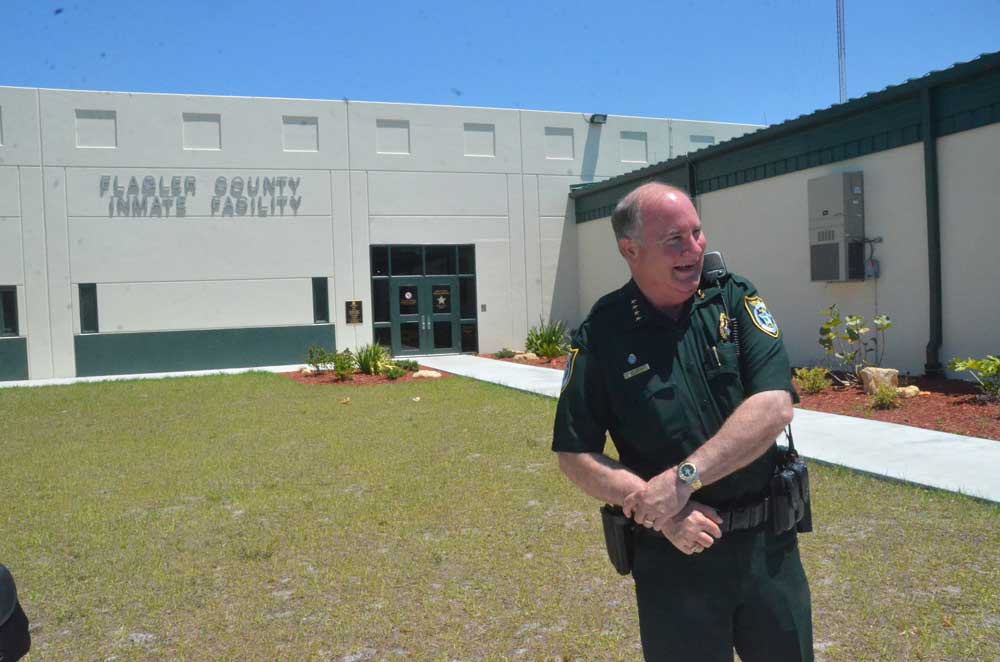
(307, 371)
(426, 374)
(908, 391)
(527, 356)
(872, 378)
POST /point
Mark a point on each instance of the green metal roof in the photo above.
(964, 96)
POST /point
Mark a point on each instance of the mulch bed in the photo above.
(557, 363)
(949, 406)
(330, 379)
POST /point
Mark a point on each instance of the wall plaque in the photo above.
(353, 310)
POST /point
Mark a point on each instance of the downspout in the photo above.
(933, 367)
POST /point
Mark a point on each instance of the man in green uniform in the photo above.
(693, 384)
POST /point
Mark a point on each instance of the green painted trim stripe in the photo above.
(172, 351)
(966, 96)
(13, 359)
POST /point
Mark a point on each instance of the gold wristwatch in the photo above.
(688, 473)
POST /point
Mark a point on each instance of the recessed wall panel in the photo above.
(392, 136)
(202, 131)
(633, 147)
(559, 143)
(480, 139)
(300, 134)
(96, 129)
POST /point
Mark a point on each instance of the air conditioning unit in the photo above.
(837, 227)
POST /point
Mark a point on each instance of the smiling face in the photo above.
(666, 258)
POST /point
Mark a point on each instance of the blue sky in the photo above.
(725, 61)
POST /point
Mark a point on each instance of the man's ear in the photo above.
(629, 249)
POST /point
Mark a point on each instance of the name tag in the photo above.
(636, 371)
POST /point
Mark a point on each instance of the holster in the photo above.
(619, 537)
(790, 505)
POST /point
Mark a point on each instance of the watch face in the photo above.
(686, 472)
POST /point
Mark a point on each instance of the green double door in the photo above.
(425, 315)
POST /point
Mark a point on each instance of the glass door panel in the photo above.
(409, 324)
(442, 293)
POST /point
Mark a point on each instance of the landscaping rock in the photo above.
(426, 374)
(872, 378)
(907, 391)
(527, 356)
(307, 371)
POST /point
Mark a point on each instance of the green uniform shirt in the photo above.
(662, 387)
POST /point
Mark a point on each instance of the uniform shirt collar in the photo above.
(644, 313)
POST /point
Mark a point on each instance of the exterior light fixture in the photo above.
(598, 118)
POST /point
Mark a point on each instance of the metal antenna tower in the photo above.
(841, 51)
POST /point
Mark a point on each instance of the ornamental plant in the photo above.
(885, 397)
(985, 371)
(504, 353)
(813, 380)
(373, 359)
(318, 358)
(548, 339)
(343, 365)
(848, 346)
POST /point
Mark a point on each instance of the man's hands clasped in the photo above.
(664, 505)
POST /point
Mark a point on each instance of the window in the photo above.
(88, 308)
(321, 301)
(8, 311)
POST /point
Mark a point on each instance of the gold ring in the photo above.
(695, 549)
(648, 523)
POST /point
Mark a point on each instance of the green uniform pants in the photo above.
(748, 591)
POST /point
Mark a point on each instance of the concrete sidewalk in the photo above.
(924, 457)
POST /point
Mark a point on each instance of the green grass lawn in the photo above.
(250, 517)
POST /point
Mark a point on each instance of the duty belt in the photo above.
(745, 517)
(735, 519)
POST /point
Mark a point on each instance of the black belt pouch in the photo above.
(619, 537)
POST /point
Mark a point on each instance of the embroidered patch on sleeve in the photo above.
(568, 372)
(761, 317)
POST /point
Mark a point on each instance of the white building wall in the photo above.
(364, 173)
(969, 175)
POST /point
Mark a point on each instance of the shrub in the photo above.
(885, 397)
(985, 371)
(504, 354)
(372, 359)
(548, 339)
(394, 372)
(318, 358)
(850, 347)
(343, 365)
(410, 366)
(813, 380)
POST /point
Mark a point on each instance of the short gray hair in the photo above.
(626, 219)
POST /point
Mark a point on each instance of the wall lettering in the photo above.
(163, 197)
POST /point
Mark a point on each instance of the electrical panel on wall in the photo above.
(837, 227)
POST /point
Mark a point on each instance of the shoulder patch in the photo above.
(568, 372)
(761, 317)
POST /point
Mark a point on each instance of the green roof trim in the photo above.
(965, 96)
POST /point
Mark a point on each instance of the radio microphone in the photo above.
(713, 268)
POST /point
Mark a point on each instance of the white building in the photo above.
(148, 233)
